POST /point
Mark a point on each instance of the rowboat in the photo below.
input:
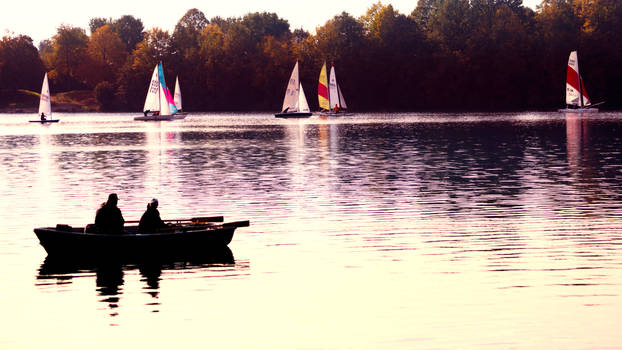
(184, 237)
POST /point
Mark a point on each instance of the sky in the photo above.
(40, 19)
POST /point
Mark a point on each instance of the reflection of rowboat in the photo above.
(55, 266)
(191, 236)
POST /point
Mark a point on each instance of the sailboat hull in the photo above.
(578, 110)
(45, 121)
(156, 117)
(294, 115)
(333, 114)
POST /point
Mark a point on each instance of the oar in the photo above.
(196, 220)
(244, 223)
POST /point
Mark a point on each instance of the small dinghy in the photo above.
(181, 237)
(45, 104)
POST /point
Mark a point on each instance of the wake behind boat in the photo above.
(45, 104)
(185, 236)
(159, 104)
(295, 103)
(577, 100)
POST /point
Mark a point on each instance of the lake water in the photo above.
(397, 231)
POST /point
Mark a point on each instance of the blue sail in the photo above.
(167, 93)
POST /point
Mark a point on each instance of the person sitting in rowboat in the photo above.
(108, 218)
(42, 116)
(151, 222)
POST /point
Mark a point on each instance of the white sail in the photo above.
(574, 83)
(152, 101)
(45, 101)
(177, 94)
(290, 102)
(342, 100)
(333, 92)
(303, 106)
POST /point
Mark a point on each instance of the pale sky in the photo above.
(40, 19)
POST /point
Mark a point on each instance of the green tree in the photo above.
(20, 64)
(130, 31)
(97, 22)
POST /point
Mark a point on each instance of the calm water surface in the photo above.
(401, 231)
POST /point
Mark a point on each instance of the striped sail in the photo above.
(45, 101)
(322, 89)
(167, 104)
(574, 83)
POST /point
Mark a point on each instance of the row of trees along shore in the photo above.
(444, 55)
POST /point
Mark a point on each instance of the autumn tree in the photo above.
(107, 54)
(187, 62)
(136, 73)
(69, 58)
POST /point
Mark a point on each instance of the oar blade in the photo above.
(244, 223)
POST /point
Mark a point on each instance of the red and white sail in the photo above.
(574, 84)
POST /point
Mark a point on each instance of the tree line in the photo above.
(444, 55)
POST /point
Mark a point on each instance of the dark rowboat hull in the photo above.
(74, 242)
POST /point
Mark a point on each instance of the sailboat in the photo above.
(45, 104)
(295, 103)
(177, 100)
(159, 104)
(329, 94)
(577, 100)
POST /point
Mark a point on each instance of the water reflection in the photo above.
(110, 274)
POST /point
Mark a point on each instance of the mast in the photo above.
(580, 83)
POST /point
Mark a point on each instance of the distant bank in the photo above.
(25, 101)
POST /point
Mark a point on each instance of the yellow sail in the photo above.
(322, 89)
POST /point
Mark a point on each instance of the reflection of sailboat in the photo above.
(159, 104)
(295, 103)
(330, 97)
(577, 100)
(45, 104)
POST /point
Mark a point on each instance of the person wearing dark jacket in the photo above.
(151, 222)
(108, 218)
